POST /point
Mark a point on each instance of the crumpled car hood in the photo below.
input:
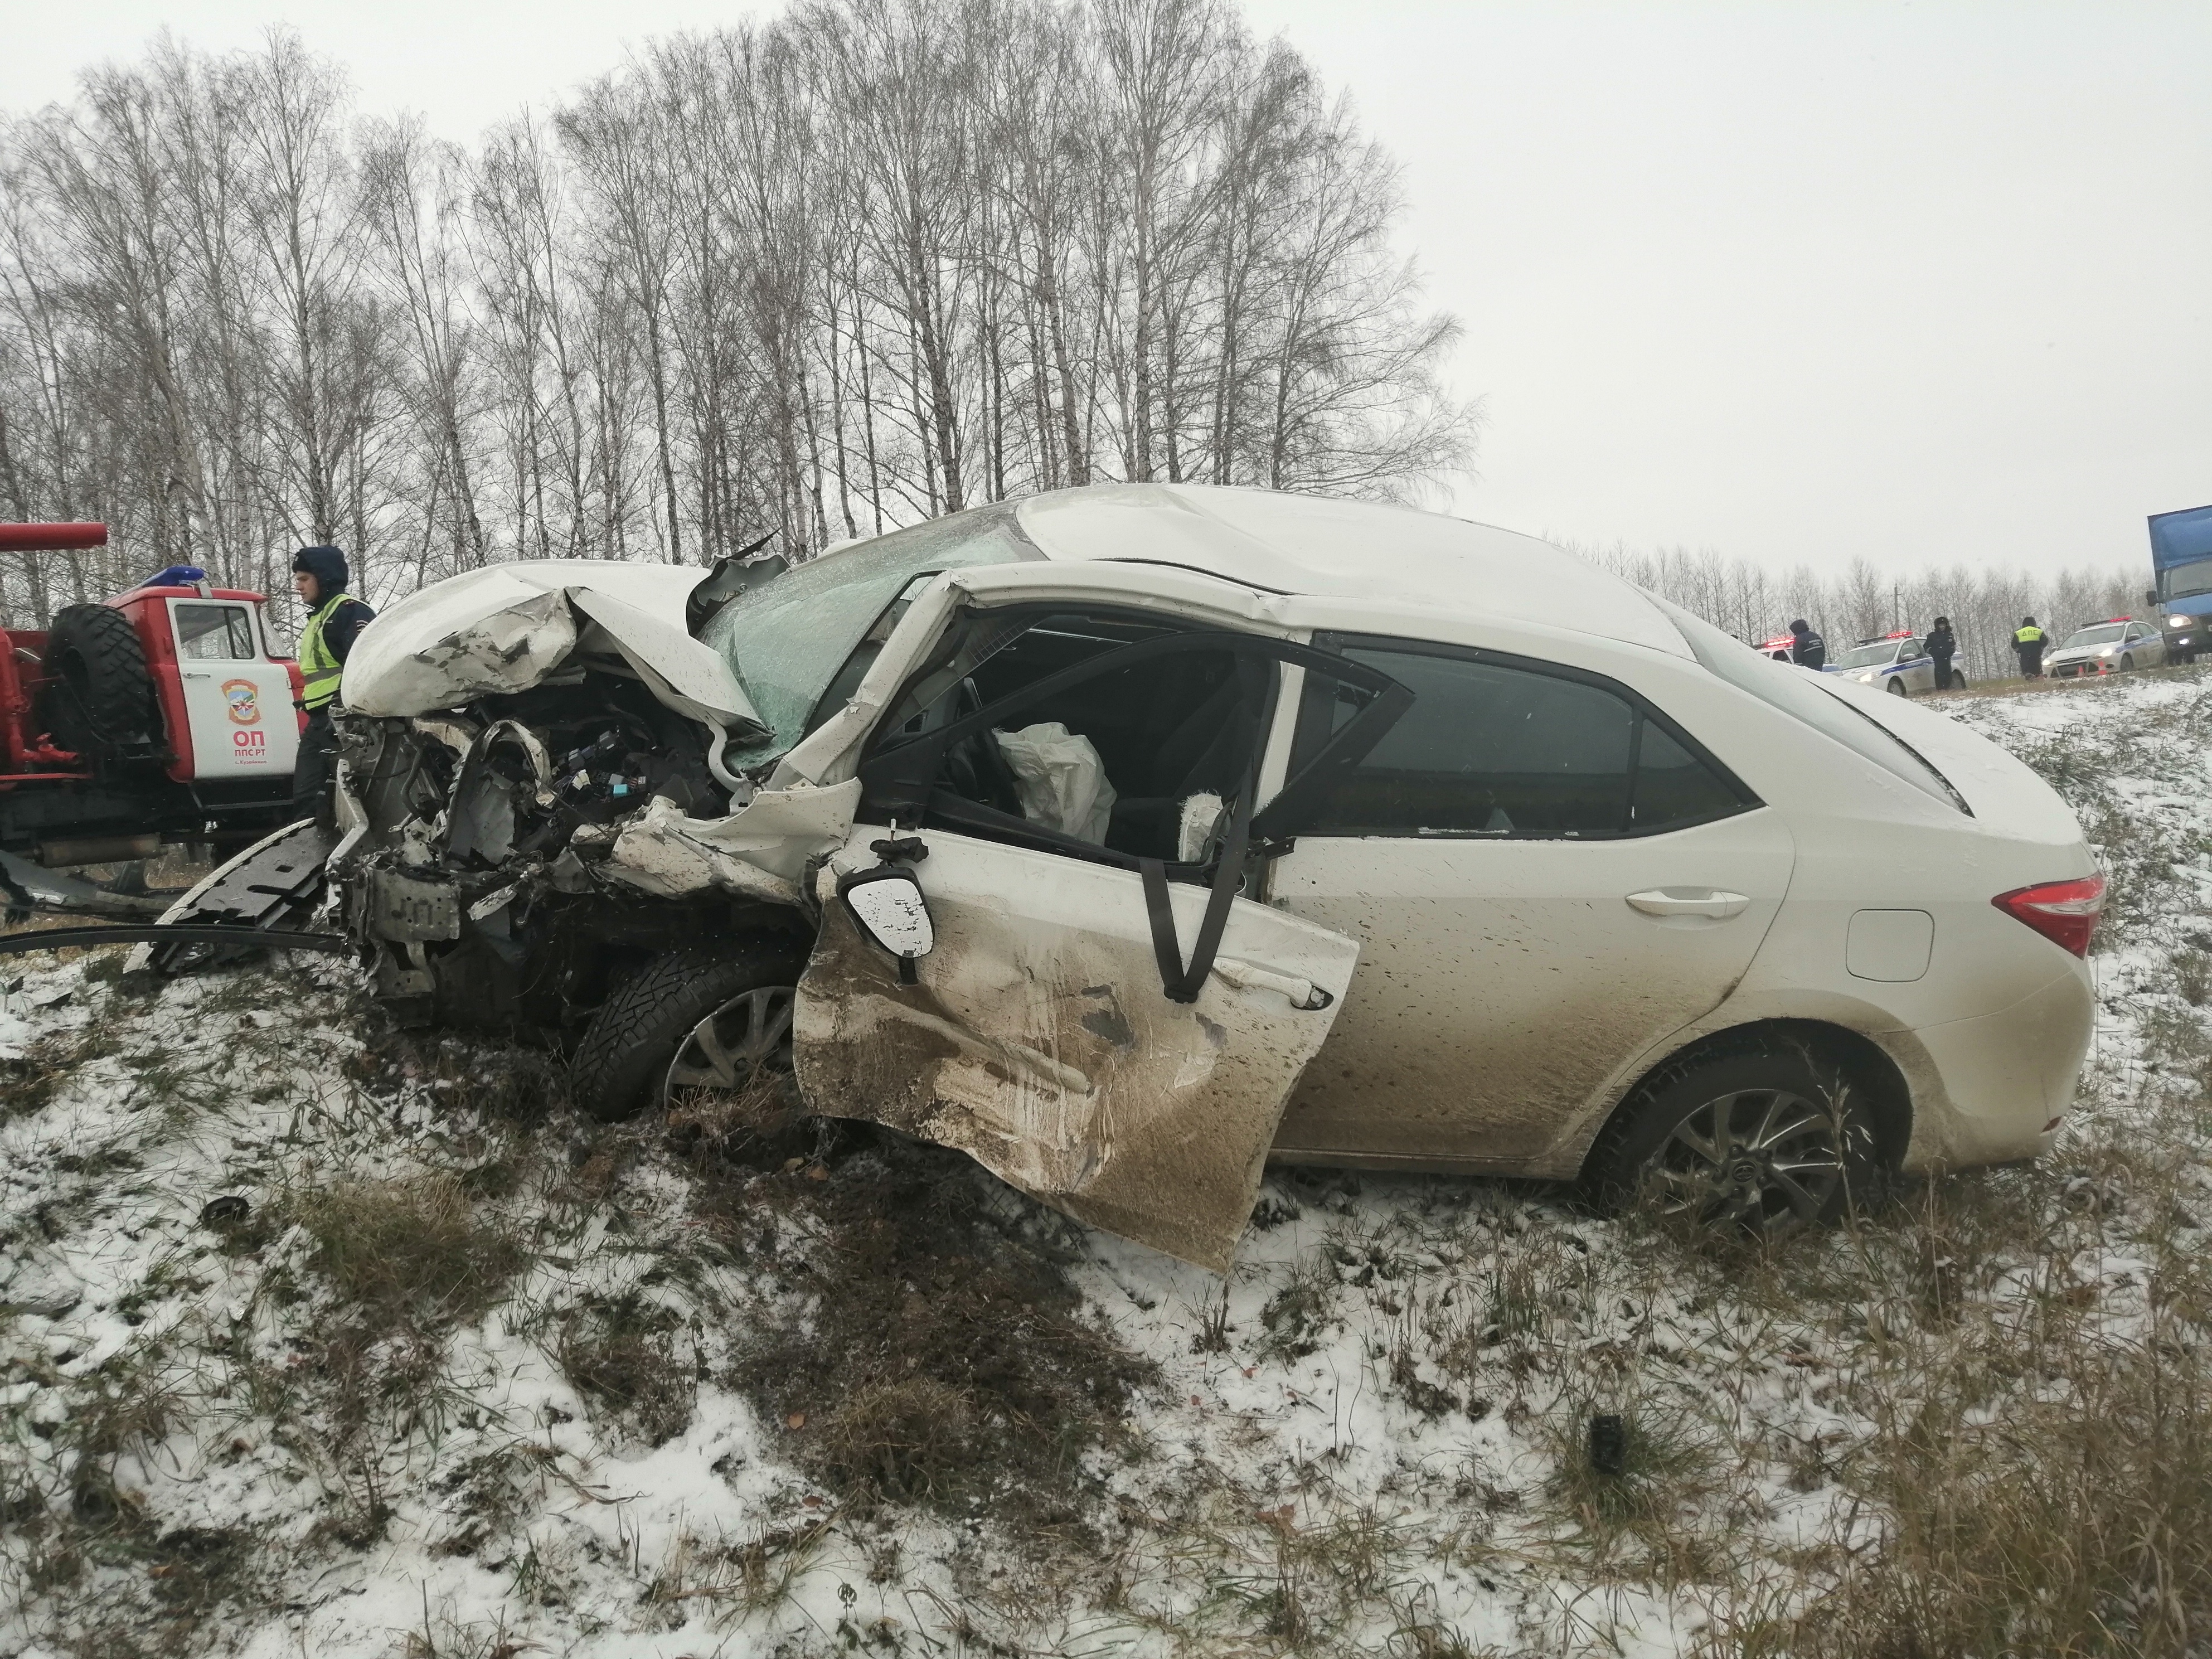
(507, 628)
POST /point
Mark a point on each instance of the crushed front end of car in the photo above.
(532, 798)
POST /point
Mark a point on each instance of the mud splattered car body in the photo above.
(1243, 823)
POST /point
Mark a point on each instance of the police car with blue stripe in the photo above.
(1898, 663)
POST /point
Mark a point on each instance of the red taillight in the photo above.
(2063, 912)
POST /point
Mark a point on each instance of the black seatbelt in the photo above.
(1183, 984)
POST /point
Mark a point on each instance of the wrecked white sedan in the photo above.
(1123, 837)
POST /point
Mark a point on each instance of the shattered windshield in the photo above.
(787, 639)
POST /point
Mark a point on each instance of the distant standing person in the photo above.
(335, 619)
(2027, 643)
(1942, 644)
(1806, 648)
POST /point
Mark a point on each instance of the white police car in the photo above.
(1896, 663)
(2117, 645)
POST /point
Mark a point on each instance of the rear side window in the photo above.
(1675, 788)
(1803, 695)
(1499, 747)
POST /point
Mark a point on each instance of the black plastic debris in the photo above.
(225, 1212)
(1608, 1444)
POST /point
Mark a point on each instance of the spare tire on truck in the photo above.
(99, 697)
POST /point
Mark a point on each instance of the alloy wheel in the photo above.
(734, 1050)
(1765, 1160)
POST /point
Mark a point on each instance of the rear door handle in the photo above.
(1304, 995)
(1689, 901)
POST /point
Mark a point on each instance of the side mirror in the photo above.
(2150, 597)
(886, 905)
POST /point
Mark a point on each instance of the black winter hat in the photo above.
(327, 565)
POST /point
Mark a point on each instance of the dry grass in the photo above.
(945, 1360)
(410, 1251)
(625, 1357)
(2035, 1474)
(2011, 685)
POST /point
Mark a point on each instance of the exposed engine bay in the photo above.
(482, 841)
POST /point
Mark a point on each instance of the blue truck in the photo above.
(2181, 560)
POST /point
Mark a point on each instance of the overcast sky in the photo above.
(1928, 282)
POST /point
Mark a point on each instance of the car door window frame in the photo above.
(236, 622)
(899, 778)
(1313, 713)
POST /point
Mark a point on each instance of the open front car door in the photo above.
(1077, 995)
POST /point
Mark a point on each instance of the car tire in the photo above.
(2127, 664)
(1801, 1142)
(1958, 680)
(667, 1010)
(1897, 688)
(99, 698)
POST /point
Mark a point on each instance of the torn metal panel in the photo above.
(508, 627)
(758, 852)
(1039, 1042)
(273, 885)
(688, 677)
(56, 891)
(481, 820)
(416, 659)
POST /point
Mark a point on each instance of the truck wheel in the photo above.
(693, 1021)
(1763, 1142)
(100, 693)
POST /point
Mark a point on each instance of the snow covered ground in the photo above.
(316, 1338)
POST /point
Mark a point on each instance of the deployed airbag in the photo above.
(1061, 781)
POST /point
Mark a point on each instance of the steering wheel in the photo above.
(976, 768)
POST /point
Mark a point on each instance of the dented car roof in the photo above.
(506, 628)
(1353, 550)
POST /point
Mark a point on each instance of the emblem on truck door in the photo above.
(243, 699)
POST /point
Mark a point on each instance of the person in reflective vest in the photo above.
(335, 619)
(2027, 643)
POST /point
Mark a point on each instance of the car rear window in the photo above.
(1501, 747)
(1803, 697)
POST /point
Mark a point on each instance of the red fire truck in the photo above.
(163, 714)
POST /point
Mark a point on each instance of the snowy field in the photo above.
(320, 1339)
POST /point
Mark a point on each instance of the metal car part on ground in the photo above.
(1607, 851)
